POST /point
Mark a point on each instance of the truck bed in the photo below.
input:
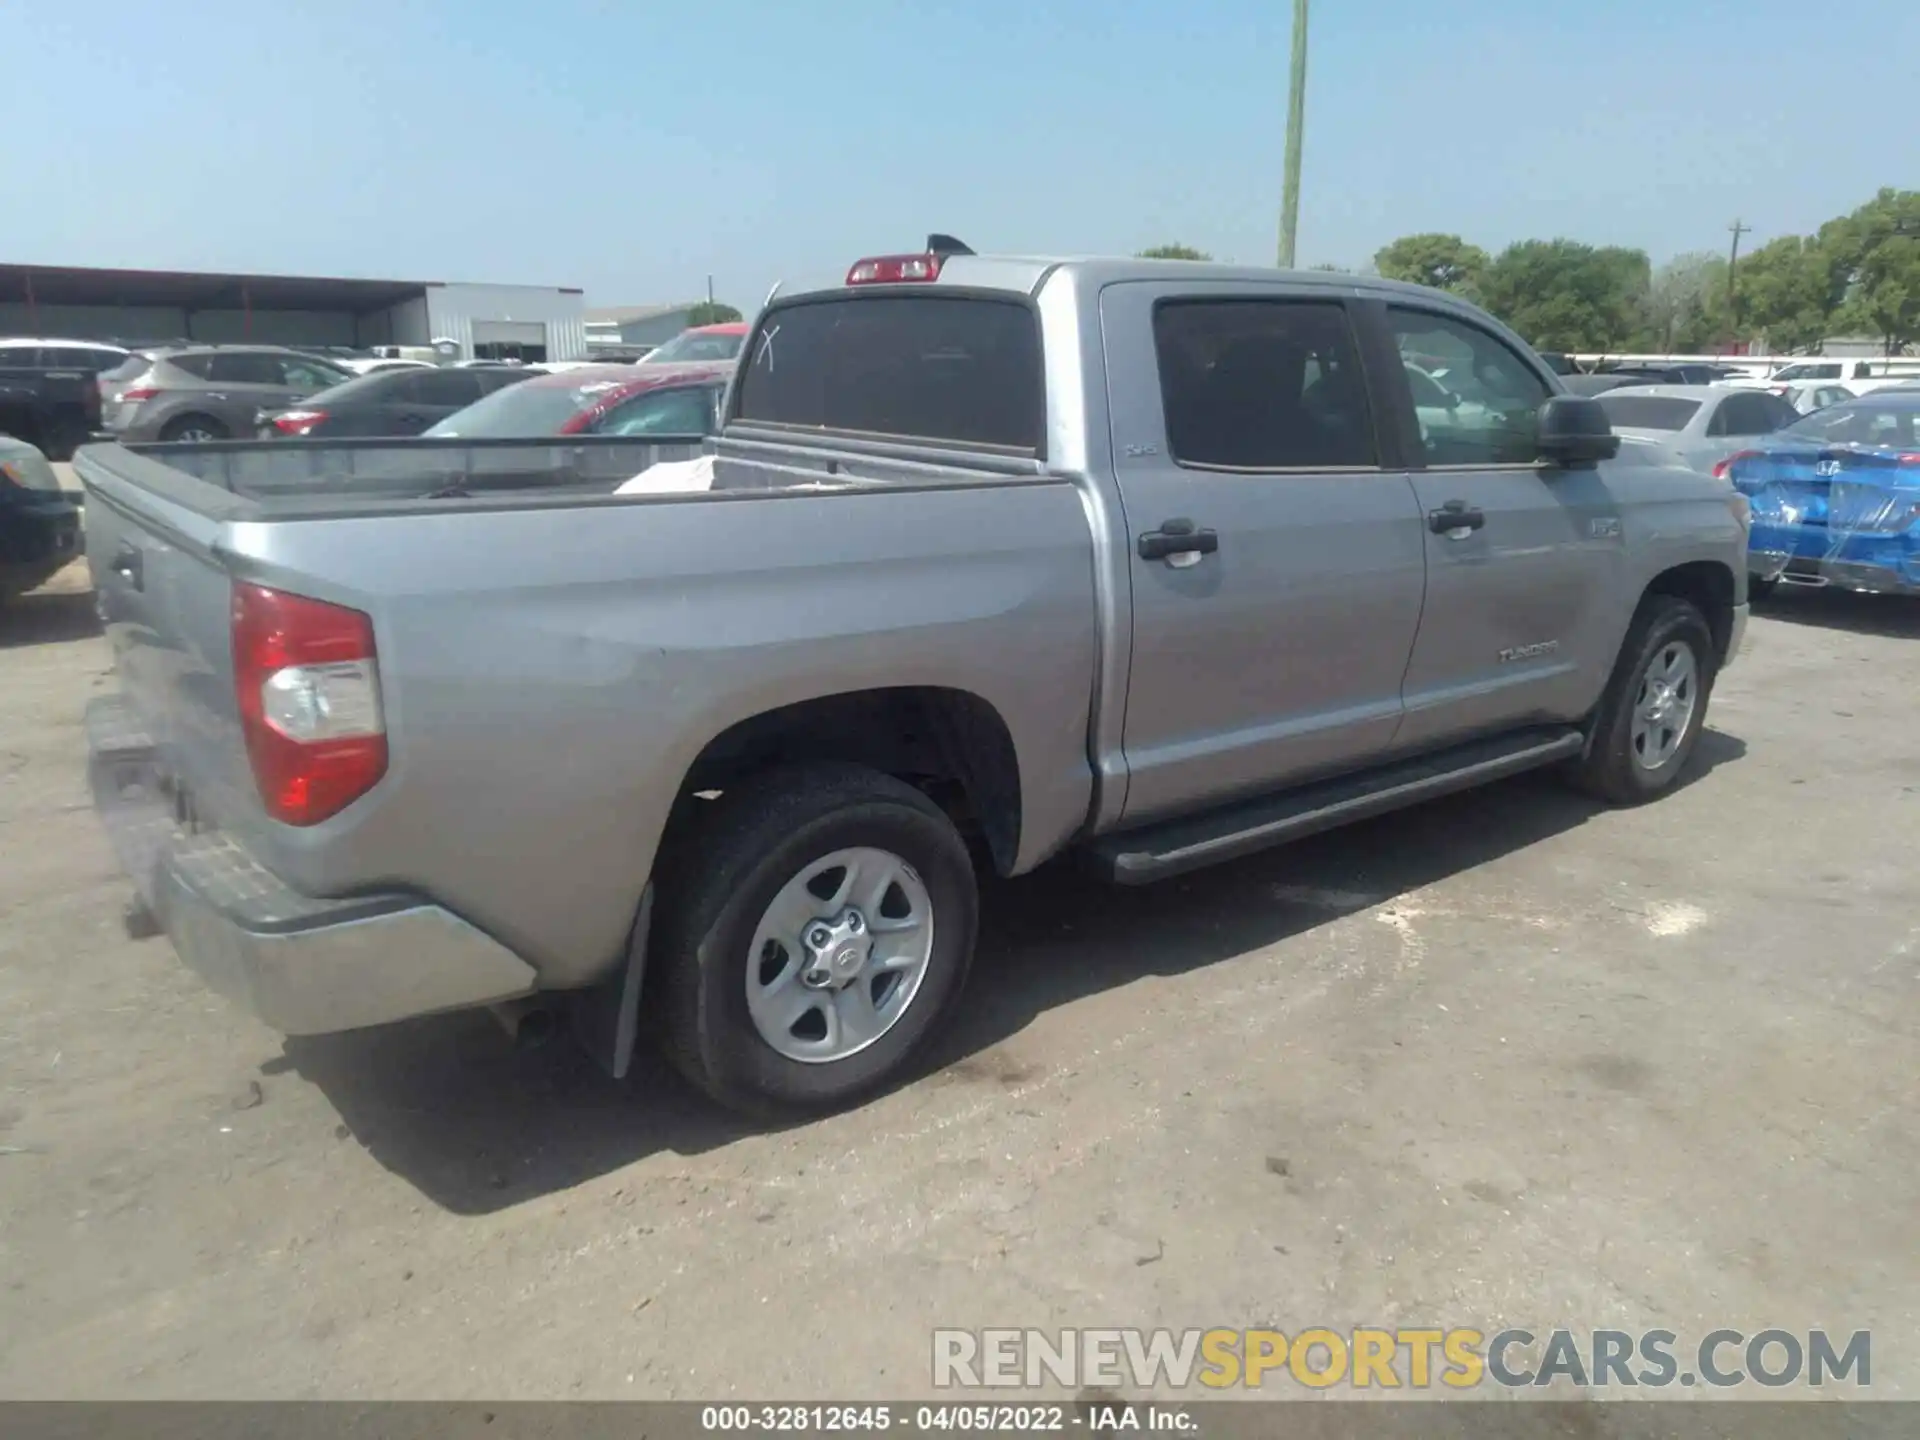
(553, 658)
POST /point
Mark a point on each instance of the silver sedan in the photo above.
(1696, 426)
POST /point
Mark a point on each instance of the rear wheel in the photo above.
(193, 428)
(817, 926)
(1655, 704)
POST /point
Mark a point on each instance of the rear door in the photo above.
(1524, 566)
(426, 397)
(240, 384)
(1277, 552)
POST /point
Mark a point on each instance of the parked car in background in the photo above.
(1590, 385)
(92, 356)
(1678, 373)
(1697, 426)
(368, 367)
(208, 392)
(1836, 497)
(39, 523)
(1808, 396)
(50, 393)
(702, 345)
(403, 401)
(598, 400)
(1003, 558)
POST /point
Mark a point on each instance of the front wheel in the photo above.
(1655, 704)
(817, 925)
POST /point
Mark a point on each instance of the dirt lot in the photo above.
(1506, 1059)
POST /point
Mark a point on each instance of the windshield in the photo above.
(1862, 422)
(695, 347)
(1648, 412)
(529, 408)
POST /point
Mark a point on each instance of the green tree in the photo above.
(1563, 295)
(1446, 262)
(1686, 304)
(712, 312)
(1875, 255)
(1788, 290)
(1173, 252)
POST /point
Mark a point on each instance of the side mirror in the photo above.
(1575, 432)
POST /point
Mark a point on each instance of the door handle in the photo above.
(130, 567)
(1178, 543)
(1455, 520)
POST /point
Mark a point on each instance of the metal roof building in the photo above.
(528, 322)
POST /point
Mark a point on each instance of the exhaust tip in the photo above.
(528, 1023)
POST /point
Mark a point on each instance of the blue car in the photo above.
(1836, 497)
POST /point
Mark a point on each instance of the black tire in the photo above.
(725, 870)
(1759, 588)
(1610, 770)
(176, 428)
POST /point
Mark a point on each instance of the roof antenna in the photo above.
(946, 245)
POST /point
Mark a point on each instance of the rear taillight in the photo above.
(1724, 470)
(894, 269)
(308, 684)
(137, 393)
(297, 422)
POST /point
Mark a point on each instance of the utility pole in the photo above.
(1738, 228)
(1296, 122)
(709, 289)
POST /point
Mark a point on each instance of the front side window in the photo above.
(1497, 417)
(1262, 385)
(307, 375)
(663, 412)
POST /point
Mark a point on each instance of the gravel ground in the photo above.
(1507, 1059)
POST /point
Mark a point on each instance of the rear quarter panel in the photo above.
(550, 675)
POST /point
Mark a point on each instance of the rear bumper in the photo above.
(1858, 559)
(304, 966)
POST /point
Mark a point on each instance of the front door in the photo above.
(1277, 563)
(1525, 566)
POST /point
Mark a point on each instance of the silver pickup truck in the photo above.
(1160, 562)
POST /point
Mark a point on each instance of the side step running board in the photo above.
(1138, 857)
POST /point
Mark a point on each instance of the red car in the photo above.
(702, 345)
(598, 400)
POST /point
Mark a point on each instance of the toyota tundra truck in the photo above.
(1153, 561)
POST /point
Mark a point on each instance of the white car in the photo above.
(1807, 396)
(1695, 426)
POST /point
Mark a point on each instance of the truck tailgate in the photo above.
(165, 599)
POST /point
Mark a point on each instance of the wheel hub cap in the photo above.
(836, 951)
(839, 954)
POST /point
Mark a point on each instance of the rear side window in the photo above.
(200, 366)
(21, 357)
(442, 387)
(1747, 414)
(1648, 412)
(240, 368)
(1262, 385)
(956, 368)
(128, 369)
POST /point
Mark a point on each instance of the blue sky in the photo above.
(633, 148)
